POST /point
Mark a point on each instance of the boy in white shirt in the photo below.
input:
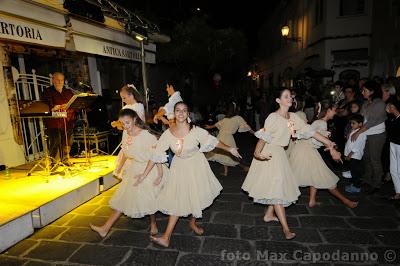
(354, 151)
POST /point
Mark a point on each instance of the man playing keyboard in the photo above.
(57, 96)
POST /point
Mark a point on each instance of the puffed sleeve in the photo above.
(302, 129)
(160, 155)
(149, 146)
(207, 141)
(219, 124)
(243, 126)
(265, 132)
(320, 127)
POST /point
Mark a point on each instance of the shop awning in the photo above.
(100, 40)
(29, 23)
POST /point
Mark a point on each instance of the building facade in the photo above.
(331, 40)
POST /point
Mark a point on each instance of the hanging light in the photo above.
(285, 31)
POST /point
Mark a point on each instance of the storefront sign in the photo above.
(94, 46)
(31, 33)
(121, 52)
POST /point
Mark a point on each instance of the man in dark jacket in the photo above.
(57, 96)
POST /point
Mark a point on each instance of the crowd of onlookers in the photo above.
(367, 119)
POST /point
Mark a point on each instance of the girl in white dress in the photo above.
(191, 185)
(270, 179)
(132, 198)
(308, 165)
(228, 126)
(132, 99)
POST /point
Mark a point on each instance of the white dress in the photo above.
(227, 127)
(169, 107)
(191, 185)
(137, 201)
(273, 181)
(138, 108)
(308, 165)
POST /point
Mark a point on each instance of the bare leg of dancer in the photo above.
(165, 238)
(335, 192)
(196, 229)
(313, 196)
(280, 212)
(270, 215)
(105, 228)
(153, 225)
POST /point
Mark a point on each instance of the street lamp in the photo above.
(139, 37)
(285, 31)
(285, 34)
(142, 39)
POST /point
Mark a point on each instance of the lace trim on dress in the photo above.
(159, 158)
(243, 128)
(212, 142)
(261, 134)
(185, 215)
(273, 202)
(305, 135)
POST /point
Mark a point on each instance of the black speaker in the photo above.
(84, 9)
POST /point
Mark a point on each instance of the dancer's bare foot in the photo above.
(268, 218)
(160, 241)
(153, 230)
(100, 230)
(351, 204)
(197, 229)
(289, 235)
(312, 204)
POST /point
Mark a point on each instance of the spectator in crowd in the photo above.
(394, 139)
(388, 92)
(354, 151)
(338, 94)
(374, 114)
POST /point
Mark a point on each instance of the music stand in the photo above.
(82, 101)
(48, 164)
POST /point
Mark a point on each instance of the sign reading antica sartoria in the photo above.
(120, 52)
(20, 31)
(30, 32)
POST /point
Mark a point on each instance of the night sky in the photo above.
(247, 16)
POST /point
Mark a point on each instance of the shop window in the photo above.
(350, 55)
(352, 7)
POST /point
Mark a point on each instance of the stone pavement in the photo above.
(235, 234)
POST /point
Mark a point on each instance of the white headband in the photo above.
(133, 87)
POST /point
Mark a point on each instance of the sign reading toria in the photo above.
(20, 31)
(32, 33)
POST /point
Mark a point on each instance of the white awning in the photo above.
(29, 23)
(94, 39)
